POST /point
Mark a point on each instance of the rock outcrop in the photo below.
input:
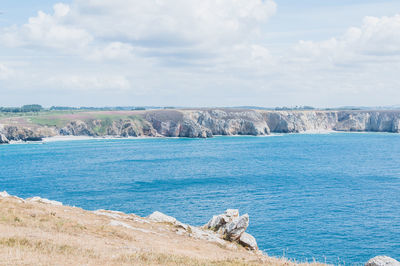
(21, 133)
(231, 122)
(382, 261)
(205, 123)
(10, 133)
(222, 229)
(3, 139)
(248, 241)
(44, 201)
(232, 227)
(172, 123)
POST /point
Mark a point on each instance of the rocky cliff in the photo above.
(204, 123)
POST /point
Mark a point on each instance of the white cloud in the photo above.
(5, 72)
(376, 37)
(46, 30)
(88, 82)
(173, 22)
(113, 51)
(170, 31)
(182, 51)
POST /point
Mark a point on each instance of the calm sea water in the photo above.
(334, 197)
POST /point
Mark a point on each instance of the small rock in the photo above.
(217, 222)
(4, 194)
(235, 228)
(232, 213)
(118, 223)
(382, 261)
(45, 201)
(3, 139)
(161, 217)
(182, 225)
(248, 241)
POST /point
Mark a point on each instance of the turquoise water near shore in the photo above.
(328, 197)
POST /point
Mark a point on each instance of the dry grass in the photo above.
(41, 234)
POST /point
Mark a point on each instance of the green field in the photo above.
(62, 118)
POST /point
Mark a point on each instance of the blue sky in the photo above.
(200, 53)
(319, 20)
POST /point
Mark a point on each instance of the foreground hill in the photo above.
(42, 232)
(193, 123)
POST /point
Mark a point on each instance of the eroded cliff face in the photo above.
(231, 122)
(358, 121)
(384, 121)
(25, 133)
(295, 122)
(120, 127)
(205, 123)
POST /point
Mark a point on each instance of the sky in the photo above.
(200, 53)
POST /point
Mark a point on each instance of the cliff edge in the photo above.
(193, 123)
(38, 231)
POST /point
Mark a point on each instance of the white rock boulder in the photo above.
(4, 194)
(382, 261)
(232, 213)
(3, 139)
(230, 226)
(248, 241)
(236, 228)
(161, 217)
(218, 222)
(44, 201)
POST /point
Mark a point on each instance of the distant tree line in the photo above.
(24, 109)
(117, 108)
(38, 108)
(284, 108)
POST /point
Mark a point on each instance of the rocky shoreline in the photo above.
(202, 123)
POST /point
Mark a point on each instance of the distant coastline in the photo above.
(190, 123)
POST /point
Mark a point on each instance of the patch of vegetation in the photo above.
(41, 246)
(88, 108)
(46, 114)
(108, 119)
(152, 258)
(13, 242)
(104, 124)
(57, 121)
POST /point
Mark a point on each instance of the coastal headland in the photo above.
(192, 123)
(38, 231)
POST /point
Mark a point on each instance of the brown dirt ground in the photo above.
(33, 233)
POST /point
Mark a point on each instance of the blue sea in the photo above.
(330, 197)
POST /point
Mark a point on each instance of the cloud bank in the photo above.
(192, 52)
